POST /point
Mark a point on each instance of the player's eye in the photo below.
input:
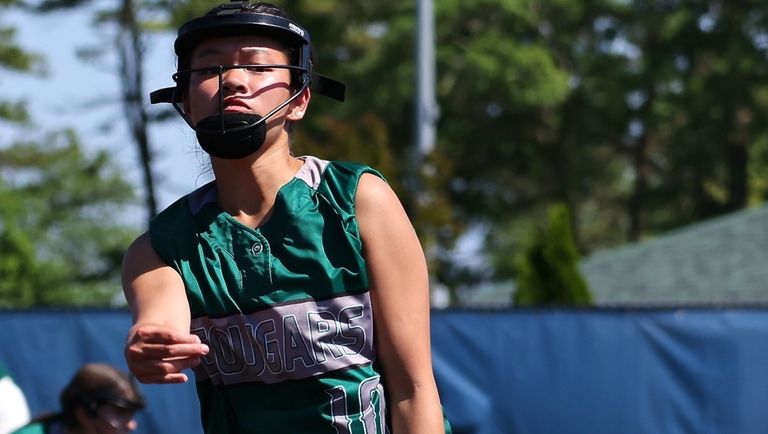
(206, 72)
(257, 69)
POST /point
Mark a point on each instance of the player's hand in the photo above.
(158, 354)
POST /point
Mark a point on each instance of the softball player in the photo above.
(295, 287)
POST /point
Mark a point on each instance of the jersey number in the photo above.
(367, 392)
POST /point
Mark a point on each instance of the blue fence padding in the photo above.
(43, 349)
(552, 371)
(629, 372)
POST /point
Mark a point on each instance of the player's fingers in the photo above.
(163, 378)
(169, 366)
(160, 335)
(165, 351)
(162, 370)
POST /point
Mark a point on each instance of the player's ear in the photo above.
(298, 107)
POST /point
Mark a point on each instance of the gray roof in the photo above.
(722, 260)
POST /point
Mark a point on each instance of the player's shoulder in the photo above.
(139, 252)
(140, 245)
(372, 187)
(179, 216)
(346, 166)
(340, 182)
(375, 196)
(172, 215)
(351, 169)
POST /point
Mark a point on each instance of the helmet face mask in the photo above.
(91, 401)
(236, 135)
(233, 135)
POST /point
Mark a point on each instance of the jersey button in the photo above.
(257, 248)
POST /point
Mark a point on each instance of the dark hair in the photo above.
(291, 50)
(96, 384)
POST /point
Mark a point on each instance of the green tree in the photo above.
(703, 110)
(14, 58)
(640, 116)
(548, 267)
(62, 231)
(663, 124)
(506, 96)
(127, 23)
(532, 111)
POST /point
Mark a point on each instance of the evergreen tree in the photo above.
(548, 268)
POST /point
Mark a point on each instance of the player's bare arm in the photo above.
(400, 296)
(159, 345)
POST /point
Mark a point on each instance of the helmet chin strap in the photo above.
(233, 136)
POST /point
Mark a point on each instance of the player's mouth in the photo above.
(235, 105)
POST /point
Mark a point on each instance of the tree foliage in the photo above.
(62, 237)
(14, 58)
(61, 231)
(638, 115)
(126, 25)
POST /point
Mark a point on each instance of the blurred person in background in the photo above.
(99, 399)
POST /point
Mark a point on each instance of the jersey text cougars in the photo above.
(292, 341)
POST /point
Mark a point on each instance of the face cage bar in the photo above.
(321, 84)
(175, 96)
(105, 397)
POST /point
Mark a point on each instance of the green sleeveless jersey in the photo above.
(284, 308)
